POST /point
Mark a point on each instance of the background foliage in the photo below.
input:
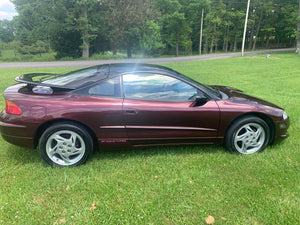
(78, 28)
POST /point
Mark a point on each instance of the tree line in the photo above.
(80, 28)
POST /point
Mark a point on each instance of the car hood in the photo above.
(238, 95)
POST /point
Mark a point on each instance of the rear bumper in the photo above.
(16, 134)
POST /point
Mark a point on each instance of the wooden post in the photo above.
(245, 28)
(201, 30)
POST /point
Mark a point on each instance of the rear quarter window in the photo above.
(106, 88)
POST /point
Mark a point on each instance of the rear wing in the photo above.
(37, 79)
(36, 82)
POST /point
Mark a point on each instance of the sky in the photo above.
(7, 10)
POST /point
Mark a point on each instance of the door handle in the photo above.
(130, 112)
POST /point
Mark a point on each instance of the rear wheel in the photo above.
(66, 144)
(248, 135)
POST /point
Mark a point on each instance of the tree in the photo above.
(175, 27)
(215, 25)
(7, 29)
(273, 23)
(79, 16)
(57, 21)
(37, 48)
(79, 28)
(151, 42)
(34, 21)
(1, 46)
(127, 20)
(67, 44)
(193, 13)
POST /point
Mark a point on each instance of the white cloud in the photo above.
(5, 3)
(7, 15)
(7, 10)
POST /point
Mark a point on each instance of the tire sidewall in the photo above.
(234, 128)
(80, 130)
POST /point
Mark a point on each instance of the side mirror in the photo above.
(200, 100)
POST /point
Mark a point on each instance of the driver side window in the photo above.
(156, 87)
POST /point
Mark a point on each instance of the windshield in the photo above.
(210, 89)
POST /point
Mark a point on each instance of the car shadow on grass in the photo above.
(24, 156)
(158, 151)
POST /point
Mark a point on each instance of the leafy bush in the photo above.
(38, 47)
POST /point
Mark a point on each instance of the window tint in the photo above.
(69, 78)
(106, 88)
(77, 78)
(155, 87)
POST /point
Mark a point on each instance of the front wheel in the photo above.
(248, 135)
(65, 144)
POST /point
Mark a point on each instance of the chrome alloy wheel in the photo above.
(249, 138)
(65, 147)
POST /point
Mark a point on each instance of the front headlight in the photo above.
(284, 115)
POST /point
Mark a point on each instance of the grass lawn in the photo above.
(168, 185)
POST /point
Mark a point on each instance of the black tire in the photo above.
(247, 135)
(65, 145)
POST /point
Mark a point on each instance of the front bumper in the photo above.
(281, 130)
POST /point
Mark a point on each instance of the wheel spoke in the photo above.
(255, 144)
(243, 148)
(249, 129)
(65, 157)
(73, 139)
(59, 138)
(72, 144)
(241, 137)
(258, 133)
(52, 151)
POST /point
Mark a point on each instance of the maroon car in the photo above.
(121, 105)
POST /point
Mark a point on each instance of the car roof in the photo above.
(83, 77)
(137, 67)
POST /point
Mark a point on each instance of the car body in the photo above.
(125, 105)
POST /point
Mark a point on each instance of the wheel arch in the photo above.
(41, 129)
(262, 116)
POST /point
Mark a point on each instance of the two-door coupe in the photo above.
(119, 105)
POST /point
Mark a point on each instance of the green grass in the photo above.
(168, 185)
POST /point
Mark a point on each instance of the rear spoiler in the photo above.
(37, 79)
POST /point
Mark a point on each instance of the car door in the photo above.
(100, 108)
(159, 109)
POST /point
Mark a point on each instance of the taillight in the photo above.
(12, 108)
